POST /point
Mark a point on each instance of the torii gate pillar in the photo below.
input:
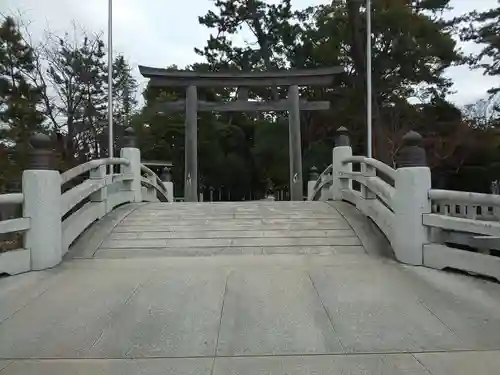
(191, 146)
(296, 188)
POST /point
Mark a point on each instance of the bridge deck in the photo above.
(255, 288)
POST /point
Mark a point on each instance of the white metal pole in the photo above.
(110, 78)
(369, 96)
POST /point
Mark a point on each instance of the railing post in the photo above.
(151, 191)
(101, 195)
(166, 177)
(133, 155)
(367, 171)
(42, 196)
(313, 178)
(325, 191)
(411, 201)
(341, 151)
(211, 193)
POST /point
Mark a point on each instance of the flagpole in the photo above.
(369, 77)
(110, 78)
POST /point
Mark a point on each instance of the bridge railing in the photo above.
(461, 221)
(55, 214)
(14, 258)
(90, 200)
(152, 186)
(425, 226)
(319, 185)
(373, 196)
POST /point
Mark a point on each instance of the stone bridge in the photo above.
(114, 278)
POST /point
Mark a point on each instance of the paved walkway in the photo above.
(256, 288)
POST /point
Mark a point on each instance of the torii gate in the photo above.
(242, 80)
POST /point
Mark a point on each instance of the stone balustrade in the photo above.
(52, 218)
(424, 226)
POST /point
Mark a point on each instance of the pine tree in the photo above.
(94, 103)
(77, 76)
(484, 28)
(124, 94)
(19, 113)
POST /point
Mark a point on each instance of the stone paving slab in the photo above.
(401, 364)
(17, 292)
(68, 318)
(274, 312)
(461, 363)
(371, 312)
(473, 316)
(169, 316)
(4, 364)
(171, 366)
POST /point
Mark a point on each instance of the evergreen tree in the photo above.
(77, 76)
(124, 96)
(484, 28)
(19, 113)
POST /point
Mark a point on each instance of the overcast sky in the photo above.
(159, 33)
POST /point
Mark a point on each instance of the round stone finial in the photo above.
(342, 137)
(129, 137)
(40, 141)
(41, 155)
(166, 175)
(412, 138)
(313, 174)
(411, 154)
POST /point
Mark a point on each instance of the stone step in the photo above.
(228, 218)
(230, 242)
(218, 221)
(187, 227)
(252, 228)
(124, 253)
(231, 234)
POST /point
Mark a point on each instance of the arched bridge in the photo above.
(347, 282)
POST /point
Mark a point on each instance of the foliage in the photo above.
(19, 102)
(65, 80)
(484, 28)
(124, 95)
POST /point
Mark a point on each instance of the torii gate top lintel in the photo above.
(183, 78)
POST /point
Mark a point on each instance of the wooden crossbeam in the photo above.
(242, 106)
